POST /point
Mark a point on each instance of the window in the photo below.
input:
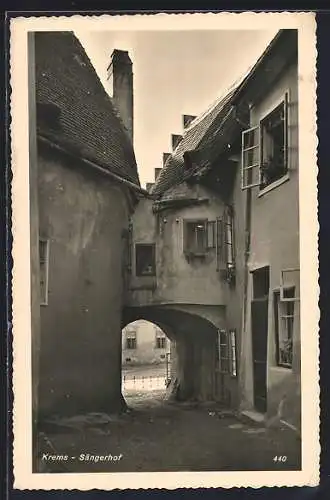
(290, 280)
(284, 322)
(274, 145)
(131, 342)
(222, 348)
(250, 158)
(227, 243)
(265, 149)
(199, 236)
(233, 360)
(145, 264)
(260, 282)
(44, 267)
(226, 352)
(160, 340)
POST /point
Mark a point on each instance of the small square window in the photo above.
(195, 240)
(160, 340)
(145, 262)
(131, 341)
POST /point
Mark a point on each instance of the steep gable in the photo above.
(77, 112)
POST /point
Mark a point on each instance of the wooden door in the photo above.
(259, 319)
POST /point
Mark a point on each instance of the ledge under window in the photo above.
(274, 185)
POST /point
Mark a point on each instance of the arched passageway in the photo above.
(193, 352)
(146, 352)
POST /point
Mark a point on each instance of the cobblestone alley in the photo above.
(156, 435)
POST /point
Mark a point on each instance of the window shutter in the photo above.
(250, 158)
(290, 279)
(219, 242)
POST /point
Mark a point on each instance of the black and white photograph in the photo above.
(165, 254)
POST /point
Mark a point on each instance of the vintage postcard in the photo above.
(165, 280)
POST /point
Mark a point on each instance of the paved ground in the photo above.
(156, 435)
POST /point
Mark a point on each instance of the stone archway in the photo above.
(194, 349)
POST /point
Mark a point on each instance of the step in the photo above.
(253, 416)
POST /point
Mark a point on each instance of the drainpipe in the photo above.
(246, 251)
(245, 287)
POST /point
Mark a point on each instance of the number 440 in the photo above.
(280, 458)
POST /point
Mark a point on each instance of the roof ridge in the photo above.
(231, 88)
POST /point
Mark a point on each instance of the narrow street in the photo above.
(156, 435)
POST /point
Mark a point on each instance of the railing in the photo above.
(144, 383)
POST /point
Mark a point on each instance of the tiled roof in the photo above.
(206, 135)
(200, 133)
(87, 120)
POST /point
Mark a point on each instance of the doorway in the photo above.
(259, 325)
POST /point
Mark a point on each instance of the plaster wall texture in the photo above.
(83, 215)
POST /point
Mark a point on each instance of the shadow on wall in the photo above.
(287, 404)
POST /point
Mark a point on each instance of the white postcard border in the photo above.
(22, 414)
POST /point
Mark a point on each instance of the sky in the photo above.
(175, 73)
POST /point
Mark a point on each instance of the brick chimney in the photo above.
(187, 119)
(165, 157)
(175, 140)
(120, 76)
(157, 172)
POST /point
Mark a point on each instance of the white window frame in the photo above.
(209, 229)
(233, 352)
(284, 98)
(282, 317)
(245, 169)
(130, 335)
(44, 298)
(221, 368)
(288, 285)
(160, 335)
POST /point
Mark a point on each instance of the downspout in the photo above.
(247, 246)
(246, 253)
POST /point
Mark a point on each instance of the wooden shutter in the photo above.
(211, 236)
(220, 243)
